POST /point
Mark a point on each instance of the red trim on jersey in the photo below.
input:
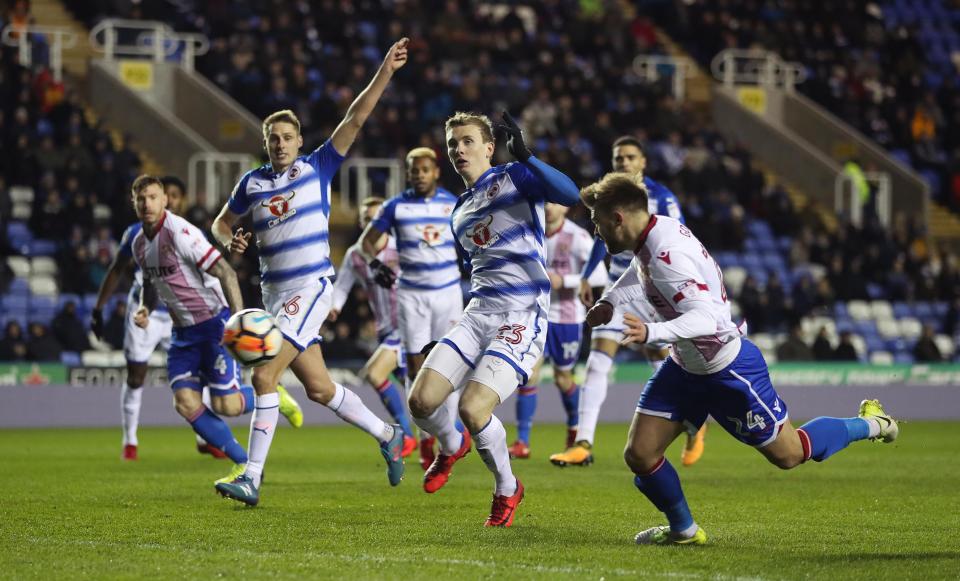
(215, 260)
(680, 296)
(643, 235)
(156, 228)
(205, 257)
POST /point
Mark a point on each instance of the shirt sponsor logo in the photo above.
(431, 234)
(279, 206)
(159, 271)
(480, 233)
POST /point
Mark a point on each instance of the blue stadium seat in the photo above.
(65, 298)
(19, 235)
(784, 243)
(15, 303)
(923, 310)
(874, 343)
(876, 291)
(903, 357)
(840, 310)
(89, 301)
(41, 247)
(752, 245)
(19, 286)
(940, 309)
(901, 310)
(727, 259)
(752, 262)
(773, 261)
(71, 358)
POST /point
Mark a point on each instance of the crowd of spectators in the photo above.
(894, 78)
(564, 67)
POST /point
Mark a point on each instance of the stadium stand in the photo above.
(783, 266)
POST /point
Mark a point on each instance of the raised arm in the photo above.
(346, 133)
(555, 184)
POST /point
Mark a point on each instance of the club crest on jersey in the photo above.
(493, 191)
(294, 172)
(480, 233)
(279, 206)
(430, 234)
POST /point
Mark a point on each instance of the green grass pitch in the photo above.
(72, 509)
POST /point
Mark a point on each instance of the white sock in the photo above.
(205, 398)
(349, 408)
(593, 391)
(874, 427)
(491, 444)
(263, 423)
(687, 532)
(441, 424)
(130, 398)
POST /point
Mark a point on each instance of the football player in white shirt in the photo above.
(711, 369)
(498, 224)
(389, 355)
(290, 202)
(568, 247)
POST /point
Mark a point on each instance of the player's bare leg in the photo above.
(593, 392)
(376, 374)
(656, 478)
(476, 410)
(428, 406)
(130, 401)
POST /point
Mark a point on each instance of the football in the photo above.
(252, 337)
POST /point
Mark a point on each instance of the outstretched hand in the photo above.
(515, 143)
(397, 55)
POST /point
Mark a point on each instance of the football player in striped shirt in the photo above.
(498, 228)
(289, 199)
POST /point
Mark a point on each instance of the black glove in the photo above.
(96, 323)
(383, 275)
(515, 144)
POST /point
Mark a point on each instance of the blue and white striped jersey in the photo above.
(660, 201)
(498, 225)
(421, 226)
(126, 250)
(291, 211)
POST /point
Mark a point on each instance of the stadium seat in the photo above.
(940, 309)
(901, 310)
(40, 247)
(923, 310)
(70, 358)
(903, 358)
(67, 297)
(751, 261)
(19, 286)
(43, 285)
(859, 344)
(859, 310)
(15, 304)
(888, 329)
(881, 358)
(946, 345)
(910, 328)
(102, 213)
(881, 310)
(19, 265)
(43, 265)
(21, 211)
(733, 278)
(89, 301)
(95, 359)
(22, 194)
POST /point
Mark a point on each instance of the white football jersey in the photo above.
(354, 270)
(673, 272)
(428, 257)
(176, 261)
(290, 218)
(567, 250)
(498, 224)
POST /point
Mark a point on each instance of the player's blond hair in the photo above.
(616, 191)
(482, 122)
(144, 181)
(419, 152)
(284, 116)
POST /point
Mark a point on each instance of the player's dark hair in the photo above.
(628, 140)
(143, 181)
(616, 191)
(174, 181)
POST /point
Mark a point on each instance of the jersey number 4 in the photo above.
(512, 334)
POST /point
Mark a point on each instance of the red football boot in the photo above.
(208, 449)
(519, 450)
(504, 508)
(426, 452)
(439, 471)
(409, 445)
(129, 452)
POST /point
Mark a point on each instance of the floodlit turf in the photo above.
(71, 508)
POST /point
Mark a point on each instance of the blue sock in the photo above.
(526, 407)
(218, 434)
(823, 437)
(249, 398)
(571, 403)
(390, 396)
(662, 487)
